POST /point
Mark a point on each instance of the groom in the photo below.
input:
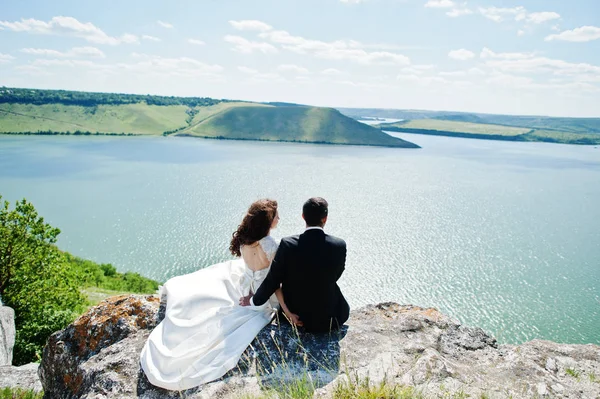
(307, 267)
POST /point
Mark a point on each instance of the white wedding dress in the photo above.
(205, 330)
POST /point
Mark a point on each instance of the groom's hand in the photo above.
(294, 319)
(245, 300)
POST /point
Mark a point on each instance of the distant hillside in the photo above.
(30, 111)
(442, 127)
(539, 128)
(139, 118)
(288, 123)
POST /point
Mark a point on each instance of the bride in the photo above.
(205, 331)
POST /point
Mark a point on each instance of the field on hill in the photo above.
(453, 128)
(465, 127)
(126, 118)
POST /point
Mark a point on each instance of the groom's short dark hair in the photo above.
(314, 211)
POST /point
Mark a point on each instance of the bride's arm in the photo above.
(294, 319)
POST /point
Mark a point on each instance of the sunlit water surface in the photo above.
(500, 235)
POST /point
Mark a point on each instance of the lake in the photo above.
(500, 235)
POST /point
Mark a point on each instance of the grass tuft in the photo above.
(363, 389)
(18, 393)
(572, 372)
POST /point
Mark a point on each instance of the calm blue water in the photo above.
(500, 235)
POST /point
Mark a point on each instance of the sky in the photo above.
(525, 57)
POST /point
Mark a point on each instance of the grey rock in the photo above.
(457, 338)
(97, 357)
(24, 377)
(558, 388)
(551, 364)
(7, 335)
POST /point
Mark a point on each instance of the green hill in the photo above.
(28, 111)
(453, 128)
(288, 123)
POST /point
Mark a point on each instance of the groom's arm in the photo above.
(342, 260)
(273, 279)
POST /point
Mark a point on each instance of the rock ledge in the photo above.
(97, 357)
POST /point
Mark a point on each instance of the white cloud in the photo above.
(151, 38)
(487, 53)
(417, 69)
(258, 77)
(292, 68)
(439, 4)
(247, 70)
(67, 63)
(541, 17)
(129, 38)
(196, 42)
(74, 52)
(504, 80)
(6, 58)
(165, 66)
(462, 73)
(251, 25)
(337, 50)
(520, 32)
(475, 71)
(582, 34)
(67, 26)
(165, 24)
(453, 73)
(518, 13)
(332, 72)
(422, 80)
(44, 51)
(459, 12)
(245, 46)
(461, 54)
(352, 1)
(528, 63)
(499, 14)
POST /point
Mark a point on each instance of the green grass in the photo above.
(18, 393)
(363, 389)
(95, 295)
(573, 373)
(459, 127)
(563, 137)
(292, 123)
(439, 127)
(137, 118)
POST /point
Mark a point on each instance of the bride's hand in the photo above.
(245, 300)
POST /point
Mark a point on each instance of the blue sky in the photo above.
(502, 56)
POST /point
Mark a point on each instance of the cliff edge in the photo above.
(97, 357)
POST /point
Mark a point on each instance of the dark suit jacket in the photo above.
(307, 267)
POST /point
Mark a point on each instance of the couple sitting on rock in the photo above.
(212, 315)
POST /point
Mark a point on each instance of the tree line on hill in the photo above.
(85, 99)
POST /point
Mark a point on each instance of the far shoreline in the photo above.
(137, 135)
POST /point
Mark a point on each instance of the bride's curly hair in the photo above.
(255, 225)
